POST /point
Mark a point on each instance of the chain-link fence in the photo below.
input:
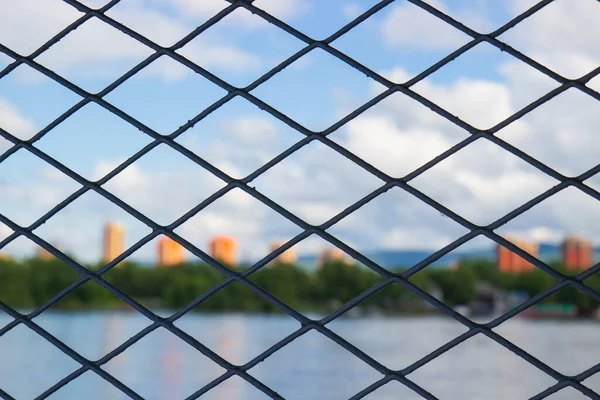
(307, 324)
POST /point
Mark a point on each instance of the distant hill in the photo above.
(408, 258)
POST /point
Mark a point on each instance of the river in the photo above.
(161, 366)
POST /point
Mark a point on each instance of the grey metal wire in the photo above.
(389, 182)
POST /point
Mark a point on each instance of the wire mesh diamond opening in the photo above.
(485, 175)
(317, 75)
(223, 49)
(261, 136)
(223, 324)
(304, 356)
(398, 135)
(165, 83)
(180, 369)
(491, 364)
(324, 183)
(90, 139)
(483, 91)
(163, 184)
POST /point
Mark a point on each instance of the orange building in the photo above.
(510, 262)
(222, 248)
(114, 238)
(169, 252)
(287, 257)
(577, 253)
(334, 254)
(43, 254)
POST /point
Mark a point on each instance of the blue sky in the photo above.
(483, 87)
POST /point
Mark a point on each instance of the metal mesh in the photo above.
(307, 324)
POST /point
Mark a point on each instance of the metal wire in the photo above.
(389, 182)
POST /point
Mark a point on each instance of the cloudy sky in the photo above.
(482, 182)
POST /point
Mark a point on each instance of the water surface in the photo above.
(162, 366)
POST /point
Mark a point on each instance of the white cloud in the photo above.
(35, 21)
(479, 102)
(562, 36)
(249, 130)
(409, 26)
(95, 49)
(12, 121)
(396, 150)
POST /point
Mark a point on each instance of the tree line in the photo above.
(27, 284)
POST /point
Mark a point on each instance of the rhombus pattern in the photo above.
(307, 324)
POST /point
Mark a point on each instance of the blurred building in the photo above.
(287, 257)
(510, 262)
(333, 254)
(577, 253)
(222, 249)
(169, 252)
(114, 239)
(5, 257)
(43, 254)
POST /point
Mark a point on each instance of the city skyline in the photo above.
(576, 252)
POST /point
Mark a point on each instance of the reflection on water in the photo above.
(162, 366)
